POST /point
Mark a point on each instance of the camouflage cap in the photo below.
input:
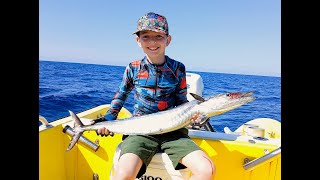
(152, 22)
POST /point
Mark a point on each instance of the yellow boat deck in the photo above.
(232, 154)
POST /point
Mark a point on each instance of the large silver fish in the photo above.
(168, 120)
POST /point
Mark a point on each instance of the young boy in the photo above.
(160, 84)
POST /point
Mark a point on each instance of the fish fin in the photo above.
(74, 140)
(76, 119)
(197, 97)
(77, 130)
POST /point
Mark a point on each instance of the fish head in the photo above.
(222, 103)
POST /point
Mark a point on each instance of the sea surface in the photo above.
(77, 87)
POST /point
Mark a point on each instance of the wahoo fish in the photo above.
(167, 120)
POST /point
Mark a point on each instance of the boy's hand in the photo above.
(197, 121)
(104, 132)
(196, 118)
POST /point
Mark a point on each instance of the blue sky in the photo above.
(223, 36)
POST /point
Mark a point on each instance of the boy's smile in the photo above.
(154, 44)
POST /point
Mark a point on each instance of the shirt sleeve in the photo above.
(121, 95)
(181, 89)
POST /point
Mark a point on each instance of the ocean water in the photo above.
(77, 87)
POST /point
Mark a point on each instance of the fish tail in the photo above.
(78, 130)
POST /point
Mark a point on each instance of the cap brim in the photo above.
(135, 32)
(154, 30)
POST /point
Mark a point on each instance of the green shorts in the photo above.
(176, 144)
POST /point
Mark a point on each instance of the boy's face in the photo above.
(153, 43)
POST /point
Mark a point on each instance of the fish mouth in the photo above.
(247, 94)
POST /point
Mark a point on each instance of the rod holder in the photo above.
(262, 159)
(68, 130)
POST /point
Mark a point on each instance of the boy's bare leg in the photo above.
(128, 167)
(200, 165)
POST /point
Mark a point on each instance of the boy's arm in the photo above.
(121, 95)
(181, 89)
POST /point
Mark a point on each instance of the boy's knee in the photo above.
(208, 168)
(212, 169)
(124, 174)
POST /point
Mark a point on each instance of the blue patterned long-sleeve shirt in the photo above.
(157, 87)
